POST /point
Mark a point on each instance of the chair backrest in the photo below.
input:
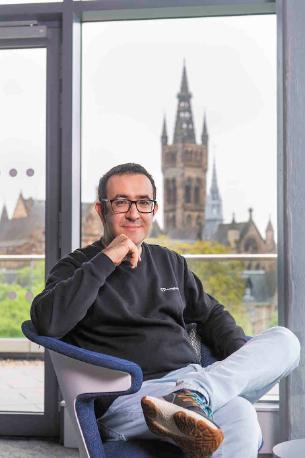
(195, 340)
(205, 356)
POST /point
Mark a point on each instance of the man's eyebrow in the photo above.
(124, 196)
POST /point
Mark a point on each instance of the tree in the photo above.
(15, 300)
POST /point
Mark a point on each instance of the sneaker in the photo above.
(184, 417)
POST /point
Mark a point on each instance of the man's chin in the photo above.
(137, 239)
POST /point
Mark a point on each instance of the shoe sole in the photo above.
(195, 435)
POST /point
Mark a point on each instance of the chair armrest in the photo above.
(84, 376)
(87, 356)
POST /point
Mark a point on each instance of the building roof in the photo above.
(16, 231)
(242, 228)
(221, 234)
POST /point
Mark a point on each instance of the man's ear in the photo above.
(155, 209)
(99, 207)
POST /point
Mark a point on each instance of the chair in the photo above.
(84, 376)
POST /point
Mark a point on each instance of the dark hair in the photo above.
(123, 169)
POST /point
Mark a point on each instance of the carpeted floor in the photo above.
(33, 448)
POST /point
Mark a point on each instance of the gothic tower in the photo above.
(184, 167)
(270, 242)
(213, 215)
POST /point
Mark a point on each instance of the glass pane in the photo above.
(254, 306)
(22, 223)
(187, 99)
(249, 295)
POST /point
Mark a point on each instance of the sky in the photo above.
(131, 74)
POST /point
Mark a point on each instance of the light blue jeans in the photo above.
(231, 386)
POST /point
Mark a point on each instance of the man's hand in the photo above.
(121, 248)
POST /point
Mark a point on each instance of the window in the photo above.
(215, 100)
(188, 191)
(22, 219)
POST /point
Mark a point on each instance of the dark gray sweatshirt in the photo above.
(138, 314)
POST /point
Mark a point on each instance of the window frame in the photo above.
(44, 423)
(290, 131)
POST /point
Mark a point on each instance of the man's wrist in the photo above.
(107, 253)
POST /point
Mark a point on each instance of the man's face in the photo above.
(134, 225)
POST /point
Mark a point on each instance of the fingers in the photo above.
(133, 255)
(122, 248)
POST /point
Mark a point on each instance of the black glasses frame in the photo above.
(130, 202)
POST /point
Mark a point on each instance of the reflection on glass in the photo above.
(22, 227)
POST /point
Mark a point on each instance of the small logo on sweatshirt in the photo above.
(173, 288)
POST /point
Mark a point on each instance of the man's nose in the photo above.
(133, 211)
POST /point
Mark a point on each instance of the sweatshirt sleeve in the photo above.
(215, 325)
(72, 287)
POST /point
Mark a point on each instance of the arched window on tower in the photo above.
(197, 192)
(172, 158)
(173, 221)
(168, 191)
(189, 221)
(199, 227)
(188, 191)
(174, 191)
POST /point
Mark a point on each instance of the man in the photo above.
(126, 298)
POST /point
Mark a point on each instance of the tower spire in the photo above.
(270, 242)
(164, 136)
(214, 215)
(184, 127)
(4, 214)
(214, 191)
(205, 134)
(269, 227)
(184, 83)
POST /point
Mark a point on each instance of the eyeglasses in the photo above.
(124, 205)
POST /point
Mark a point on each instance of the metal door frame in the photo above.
(20, 35)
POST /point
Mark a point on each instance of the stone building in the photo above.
(184, 168)
(260, 276)
(245, 237)
(24, 232)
